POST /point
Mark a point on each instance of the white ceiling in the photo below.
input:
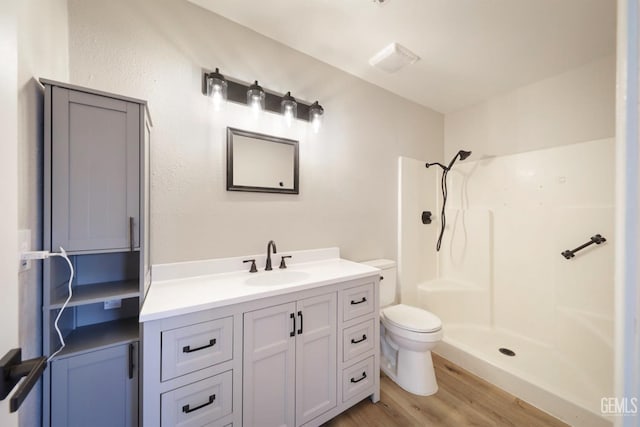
(469, 49)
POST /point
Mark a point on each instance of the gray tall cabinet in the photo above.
(96, 205)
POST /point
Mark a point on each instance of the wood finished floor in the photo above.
(463, 399)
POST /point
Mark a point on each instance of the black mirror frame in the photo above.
(232, 187)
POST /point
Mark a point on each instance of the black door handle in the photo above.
(300, 315)
(131, 364)
(186, 409)
(293, 331)
(188, 349)
(354, 341)
(364, 299)
(364, 375)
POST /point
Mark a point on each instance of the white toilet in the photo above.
(407, 336)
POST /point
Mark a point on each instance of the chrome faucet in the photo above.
(269, 246)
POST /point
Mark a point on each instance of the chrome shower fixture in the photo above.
(462, 155)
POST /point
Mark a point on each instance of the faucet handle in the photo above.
(282, 263)
(253, 265)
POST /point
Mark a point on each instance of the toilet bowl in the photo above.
(412, 333)
(407, 336)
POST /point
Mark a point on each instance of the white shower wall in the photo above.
(500, 279)
(510, 217)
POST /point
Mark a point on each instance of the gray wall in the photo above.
(156, 50)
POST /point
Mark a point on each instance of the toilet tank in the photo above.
(387, 280)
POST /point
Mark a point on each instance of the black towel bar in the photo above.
(597, 239)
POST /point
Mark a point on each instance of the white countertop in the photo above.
(172, 295)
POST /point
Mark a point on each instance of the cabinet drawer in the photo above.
(194, 347)
(357, 378)
(357, 301)
(199, 403)
(357, 339)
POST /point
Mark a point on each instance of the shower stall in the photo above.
(515, 311)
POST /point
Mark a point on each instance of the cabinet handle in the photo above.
(364, 299)
(188, 349)
(354, 341)
(293, 331)
(131, 242)
(186, 408)
(364, 375)
(300, 315)
(131, 364)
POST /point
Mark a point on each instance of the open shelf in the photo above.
(101, 335)
(100, 292)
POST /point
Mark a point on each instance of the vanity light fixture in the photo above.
(289, 108)
(217, 89)
(220, 89)
(315, 116)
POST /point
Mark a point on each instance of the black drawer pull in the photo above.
(364, 299)
(353, 341)
(188, 349)
(293, 331)
(186, 408)
(364, 375)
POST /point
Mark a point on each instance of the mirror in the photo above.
(261, 163)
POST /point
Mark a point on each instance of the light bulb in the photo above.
(217, 89)
(256, 104)
(289, 108)
(316, 123)
(256, 97)
(217, 98)
(288, 116)
(315, 116)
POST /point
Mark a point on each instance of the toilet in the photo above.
(407, 336)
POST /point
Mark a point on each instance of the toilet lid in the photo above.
(412, 318)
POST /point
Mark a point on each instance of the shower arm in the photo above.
(437, 164)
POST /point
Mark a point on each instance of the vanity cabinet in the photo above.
(96, 205)
(293, 359)
(289, 368)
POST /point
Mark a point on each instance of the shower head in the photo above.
(460, 154)
(464, 154)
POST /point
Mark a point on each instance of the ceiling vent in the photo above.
(393, 57)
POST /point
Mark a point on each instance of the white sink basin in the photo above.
(276, 278)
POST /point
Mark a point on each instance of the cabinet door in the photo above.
(316, 357)
(96, 389)
(269, 367)
(95, 169)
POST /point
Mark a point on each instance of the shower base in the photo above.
(537, 374)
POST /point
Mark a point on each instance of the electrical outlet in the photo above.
(24, 245)
(111, 304)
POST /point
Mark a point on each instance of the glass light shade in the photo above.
(315, 116)
(289, 108)
(217, 89)
(256, 97)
